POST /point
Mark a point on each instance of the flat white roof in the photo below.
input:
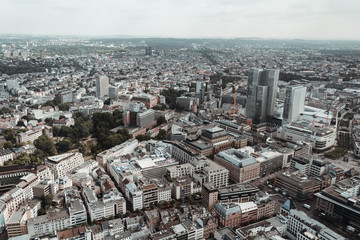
(146, 163)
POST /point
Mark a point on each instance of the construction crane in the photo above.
(235, 97)
(314, 116)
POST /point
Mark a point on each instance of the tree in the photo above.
(8, 144)
(107, 101)
(161, 120)
(160, 107)
(23, 159)
(20, 124)
(46, 145)
(47, 199)
(170, 96)
(9, 135)
(161, 135)
(141, 138)
(41, 212)
(64, 146)
(64, 106)
(49, 121)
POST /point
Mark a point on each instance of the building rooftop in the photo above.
(239, 187)
(237, 157)
(213, 133)
(226, 209)
(61, 157)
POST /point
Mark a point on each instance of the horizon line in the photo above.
(124, 36)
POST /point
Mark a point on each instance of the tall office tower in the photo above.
(113, 93)
(261, 92)
(148, 51)
(102, 86)
(198, 86)
(293, 103)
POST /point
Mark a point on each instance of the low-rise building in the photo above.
(5, 155)
(236, 214)
(48, 223)
(298, 186)
(300, 226)
(320, 138)
(33, 134)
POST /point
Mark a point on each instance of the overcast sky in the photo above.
(308, 19)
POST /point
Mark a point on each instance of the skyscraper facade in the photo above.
(261, 92)
(113, 92)
(102, 86)
(293, 103)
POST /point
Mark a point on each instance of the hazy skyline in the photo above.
(319, 19)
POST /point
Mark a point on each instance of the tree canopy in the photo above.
(46, 145)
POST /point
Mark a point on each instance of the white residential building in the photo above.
(110, 205)
(134, 195)
(49, 223)
(62, 164)
(75, 205)
(21, 193)
(5, 155)
(186, 169)
(164, 194)
(119, 150)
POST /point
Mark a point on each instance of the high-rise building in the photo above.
(294, 103)
(148, 51)
(102, 86)
(113, 92)
(199, 85)
(143, 119)
(261, 91)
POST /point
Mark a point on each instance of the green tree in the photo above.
(9, 135)
(20, 124)
(170, 96)
(64, 146)
(141, 138)
(161, 135)
(107, 101)
(46, 145)
(161, 120)
(8, 144)
(64, 106)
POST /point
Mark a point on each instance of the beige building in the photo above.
(33, 134)
(242, 166)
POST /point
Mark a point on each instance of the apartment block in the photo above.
(62, 164)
